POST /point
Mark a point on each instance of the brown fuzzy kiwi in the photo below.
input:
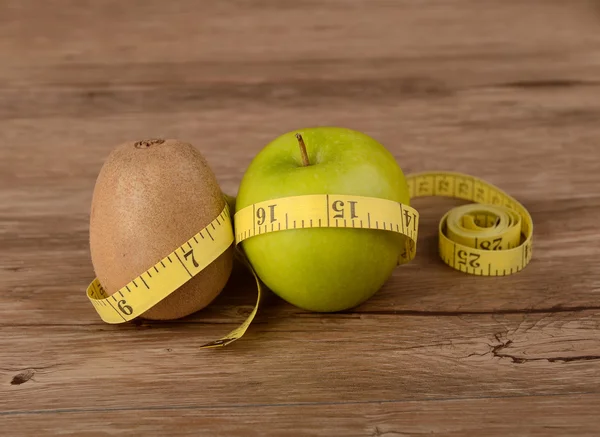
(150, 197)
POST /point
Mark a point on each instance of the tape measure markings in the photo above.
(170, 273)
(491, 237)
(337, 211)
(487, 197)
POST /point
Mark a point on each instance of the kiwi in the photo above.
(150, 197)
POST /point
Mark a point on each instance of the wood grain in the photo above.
(537, 416)
(508, 91)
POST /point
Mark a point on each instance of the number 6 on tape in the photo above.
(166, 276)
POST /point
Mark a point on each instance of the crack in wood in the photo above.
(496, 352)
(548, 83)
(377, 432)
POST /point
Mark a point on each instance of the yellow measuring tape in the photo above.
(163, 278)
(329, 211)
(170, 273)
(490, 237)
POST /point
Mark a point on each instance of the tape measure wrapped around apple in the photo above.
(323, 217)
(344, 204)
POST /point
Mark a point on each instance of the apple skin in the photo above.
(324, 269)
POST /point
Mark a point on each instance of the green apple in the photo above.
(323, 269)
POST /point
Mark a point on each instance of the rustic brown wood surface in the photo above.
(506, 90)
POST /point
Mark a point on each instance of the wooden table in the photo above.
(507, 90)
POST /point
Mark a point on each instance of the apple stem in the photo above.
(303, 153)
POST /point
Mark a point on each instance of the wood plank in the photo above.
(392, 357)
(403, 60)
(529, 415)
(109, 31)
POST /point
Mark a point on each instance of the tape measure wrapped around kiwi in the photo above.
(161, 237)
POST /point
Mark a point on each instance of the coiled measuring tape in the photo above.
(490, 237)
